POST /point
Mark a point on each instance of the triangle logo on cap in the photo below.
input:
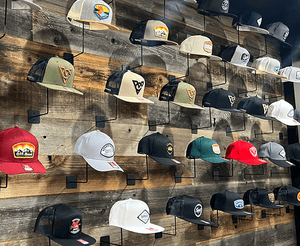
(253, 151)
(65, 73)
(138, 86)
(191, 94)
(161, 32)
(198, 210)
(259, 21)
(225, 5)
(265, 107)
(231, 100)
(101, 11)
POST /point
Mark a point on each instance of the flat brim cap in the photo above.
(188, 105)
(241, 212)
(166, 161)
(247, 28)
(98, 26)
(214, 13)
(31, 4)
(229, 109)
(12, 168)
(269, 73)
(199, 221)
(249, 198)
(243, 66)
(154, 229)
(86, 240)
(261, 117)
(215, 159)
(103, 166)
(60, 88)
(134, 99)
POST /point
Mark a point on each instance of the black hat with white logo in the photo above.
(279, 31)
(237, 56)
(287, 194)
(63, 225)
(187, 208)
(214, 7)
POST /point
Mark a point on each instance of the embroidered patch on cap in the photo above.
(216, 149)
(138, 86)
(198, 210)
(285, 35)
(253, 151)
(265, 107)
(259, 21)
(23, 150)
(271, 197)
(161, 32)
(297, 75)
(144, 216)
(83, 241)
(298, 196)
(245, 58)
(101, 11)
(65, 73)
(27, 167)
(290, 113)
(207, 47)
(170, 148)
(225, 5)
(231, 100)
(282, 153)
(191, 94)
(239, 204)
(107, 150)
(75, 226)
(276, 68)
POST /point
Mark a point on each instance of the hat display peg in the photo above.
(6, 182)
(279, 173)
(240, 91)
(216, 173)
(210, 86)
(100, 120)
(268, 98)
(195, 128)
(105, 240)
(5, 20)
(160, 234)
(131, 177)
(228, 128)
(34, 115)
(255, 174)
(263, 133)
(71, 181)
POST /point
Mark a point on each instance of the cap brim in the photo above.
(187, 105)
(60, 88)
(283, 42)
(214, 13)
(246, 28)
(241, 212)
(214, 159)
(291, 80)
(282, 163)
(289, 122)
(167, 42)
(166, 161)
(31, 5)
(134, 99)
(253, 161)
(268, 73)
(198, 221)
(12, 168)
(98, 26)
(261, 116)
(239, 65)
(103, 166)
(75, 242)
(231, 110)
(196, 56)
(149, 228)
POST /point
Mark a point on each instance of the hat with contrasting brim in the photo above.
(134, 99)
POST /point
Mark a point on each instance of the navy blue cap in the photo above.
(287, 194)
(293, 151)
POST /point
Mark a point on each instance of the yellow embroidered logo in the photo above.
(191, 94)
(65, 73)
(23, 150)
(265, 107)
(271, 197)
(170, 148)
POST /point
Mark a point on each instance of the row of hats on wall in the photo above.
(19, 151)
(63, 224)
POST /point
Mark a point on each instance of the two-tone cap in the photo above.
(93, 14)
(279, 31)
(237, 56)
(220, 99)
(267, 65)
(260, 197)
(283, 111)
(243, 152)
(63, 224)
(293, 151)
(198, 46)
(19, 151)
(229, 202)
(127, 86)
(275, 153)
(98, 149)
(159, 147)
(54, 73)
(206, 149)
(30, 3)
(249, 21)
(214, 7)
(187, 208)
(133, 215)
(254, 106)
(151, 33)
(292, 74)
(287, 194)
(180, 93)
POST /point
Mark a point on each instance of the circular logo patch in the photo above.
(169, 148)
(253, 151)
(198, 210)
(245, 57)
(107, 150)
(207, 47)
(216, 149)
(225, 5)
(298, 196)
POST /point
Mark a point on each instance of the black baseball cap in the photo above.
(292, 151)
(261, 197)
(229, 202)
(187, 208)
(159, 148)
(63, 225)
(255, 106)
(214, 7)
(287, 194)
(220, 99)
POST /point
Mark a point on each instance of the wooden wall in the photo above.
(32, 35)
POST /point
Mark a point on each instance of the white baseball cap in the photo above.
(95, 14)
(267, 65)
(292, 74)
(237, 56)
(283, 111)
(98, 150)
(133, 215)
(30, 3)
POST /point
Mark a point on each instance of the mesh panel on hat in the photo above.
(168, 91)
(114, 82)
(37, 72)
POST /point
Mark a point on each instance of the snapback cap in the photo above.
(229, 202)
(237, 56)
(94, 14)
(19, 151)
(198, 46)
(98, 150)
(63, 225)
(214, 7)
(293, 151)
(279, 31)
(267, 65)
(151, 33)
(261, 197)
(284, 112)
(254, 106)
(127, 86)
(180, 93)
(243, 152)
(54, 73)
(159, 148)
(287, 194)
(133, 215)
(187, 208)
(292, 74)
(275, 153)
(205, 149)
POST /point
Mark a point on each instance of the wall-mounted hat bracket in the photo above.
(263, 133)
(105, 240)
(6, 182)
(71, 181)
(266, 49)
(216, 174)
(142, 57)
(288, 209)
(178, 176)
(279, 173)
(267, 97)
(152, 123)
(245, 92)
(5, 18)
(264, 213)
(131, 177)
(160, 234)
(172, 78)
(228, 129)
(217, 223)
(100, 120)
(34, 115)
(210, 86)
(195, 128)
(255, 174)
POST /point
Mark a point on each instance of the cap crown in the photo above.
(281, 110)
(219, 98)
(185, 94)
(260, 197)
(221, 6)
(293, 151)
(292, 74)
(273, 151)
(288, 194)
(267, 64)
(236, 55)
(250, 18)
(254, 106)
(227, 201)
(202, 148)
(278, 30)
(197, 45)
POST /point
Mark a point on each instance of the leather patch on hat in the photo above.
(65, 73)
(191, 94)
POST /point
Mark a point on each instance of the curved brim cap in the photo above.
(60, 88)
(98, 26)
(239, 65)
(268, 73)
(103, 166)
(266, 204)
(289, 122)
(261, 116)
(188, 105)
(83, 239)
(282, 163)
(12, 168)
(31, 4)
(215, 159)
(166, 161)
(252, 161)
(247, 28)
(134, 99)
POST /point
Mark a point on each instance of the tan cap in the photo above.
(267, 65)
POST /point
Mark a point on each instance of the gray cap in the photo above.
(297, 114)
(275, 153)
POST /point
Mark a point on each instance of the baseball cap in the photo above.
(159, 148)
(180, 93)
(260, 197)
(236, 55)
(275, 153)
(255, 106)
(133, 215)
(54, 73)
(63, 225)
(297, 114)
(198, 46)
(279, 31)
(229, 202)
(96, 15)
(151, 33)
(127, 86)
(187, 208)
(267, 65)
(293, 151)
(205, 149)
(283, 111)
(287, 194)
(31, 4)
(249, 21)
(98, 150)
(220, 99)
(214, 7)
(292, 74)
(243, 152)
(19, 151)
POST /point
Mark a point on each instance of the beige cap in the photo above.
(267, 65)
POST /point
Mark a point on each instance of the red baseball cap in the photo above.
(19, 152)
(243, 152)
